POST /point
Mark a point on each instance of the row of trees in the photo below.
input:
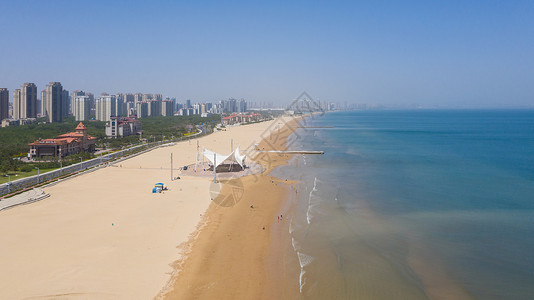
(14, 140)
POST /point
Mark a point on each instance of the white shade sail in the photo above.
(235, 157)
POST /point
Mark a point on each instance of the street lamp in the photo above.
(81, 163)
(8, 183)
(38, 179)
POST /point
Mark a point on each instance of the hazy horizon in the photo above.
(405, 54)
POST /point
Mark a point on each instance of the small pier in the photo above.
(293, 151)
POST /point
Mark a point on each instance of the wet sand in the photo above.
(243, 248)
(105, 235)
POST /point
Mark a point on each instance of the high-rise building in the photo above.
(28, 101)
(130, 108)
(167, 108)
(67, 109)
(158, 97)
(241, 105)
(129, 104)
(129, 98)
(188, 104)
(230, 105)
(208, 106)
(196, 109)
(138, 97)
(54, 102)
(25, 102)
(120, 107)
(73, 96)
(81, 107)
(154, 108)
(106, 107)
(92, 103)
(16, 104)
(4, 103)
(43, 103)
(147, 97)
(141, 109)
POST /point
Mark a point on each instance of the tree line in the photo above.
(14, 140)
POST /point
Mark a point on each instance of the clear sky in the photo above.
(431, 53)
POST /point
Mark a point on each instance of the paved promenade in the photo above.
(29, 196)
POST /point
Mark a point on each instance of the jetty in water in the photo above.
(292, 151)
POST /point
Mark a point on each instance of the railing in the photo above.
(27, 182)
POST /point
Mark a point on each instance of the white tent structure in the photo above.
(218, 159)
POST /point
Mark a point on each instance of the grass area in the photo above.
(15, 139)
(17, 174)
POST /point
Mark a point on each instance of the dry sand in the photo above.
(104, 235)
(242, 252)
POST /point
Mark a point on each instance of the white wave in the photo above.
(302, 279)
(310, 204)
(294, 244)
(291, 226)
(304, 260)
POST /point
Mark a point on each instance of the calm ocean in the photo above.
(410, 204)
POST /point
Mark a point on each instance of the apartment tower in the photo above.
(81, 107)
(43, 103)
(4, 103)
(25, 102)
(54, 102)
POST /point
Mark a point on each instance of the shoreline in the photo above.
(242, 250)
(104, 234)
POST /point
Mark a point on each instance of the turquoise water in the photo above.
(414, 204)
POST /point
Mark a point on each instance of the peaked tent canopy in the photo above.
(220, 158)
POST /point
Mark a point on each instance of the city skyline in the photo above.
(414, 53)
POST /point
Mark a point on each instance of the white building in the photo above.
(81, 107)
(106, 107)
(196, 109)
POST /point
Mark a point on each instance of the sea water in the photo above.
(414, 204)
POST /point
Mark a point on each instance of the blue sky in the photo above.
(430, 53)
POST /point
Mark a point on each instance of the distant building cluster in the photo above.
(207, 108)
(241, 118)
(54, 103)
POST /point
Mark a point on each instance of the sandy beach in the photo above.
(243, 249)
(105, 235)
